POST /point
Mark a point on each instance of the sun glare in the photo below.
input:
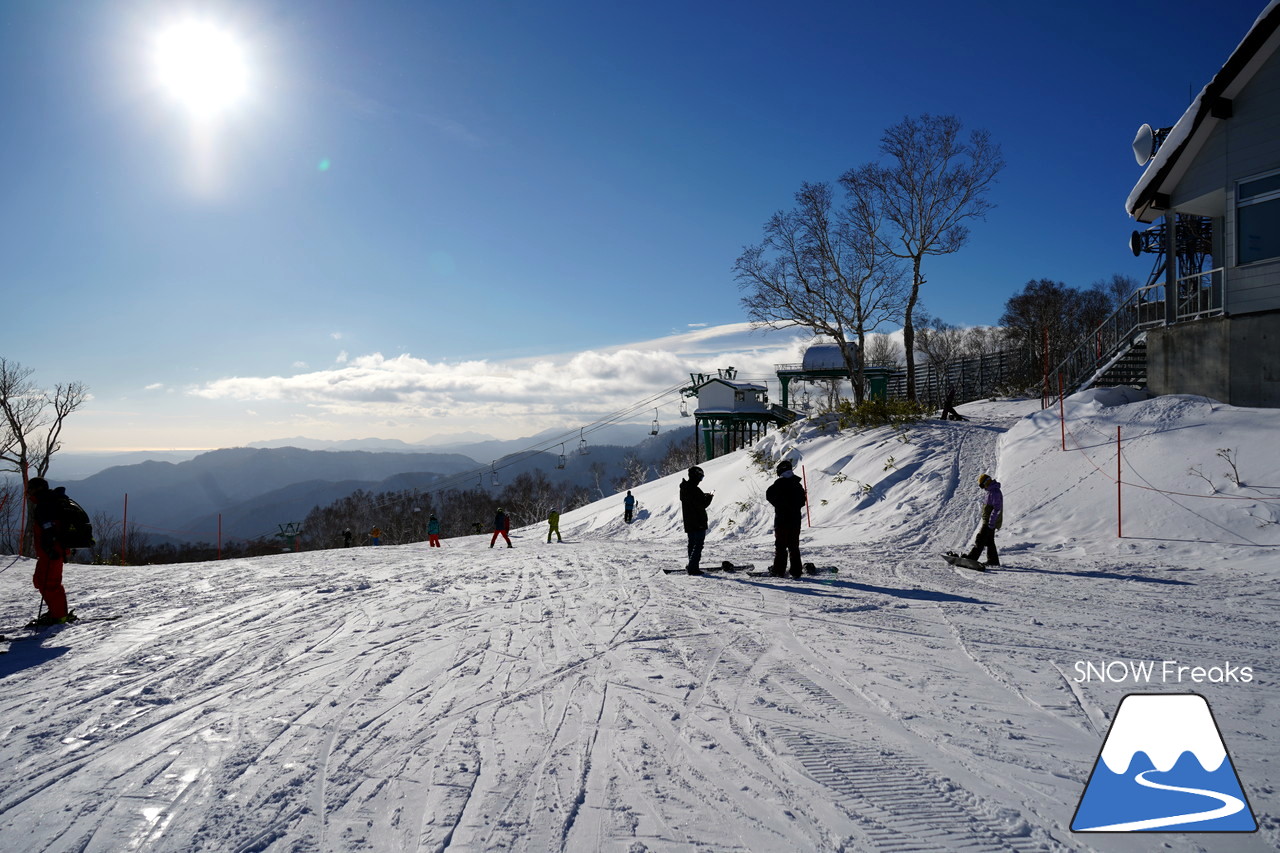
(201, 66)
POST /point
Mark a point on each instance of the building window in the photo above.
(1258, 218)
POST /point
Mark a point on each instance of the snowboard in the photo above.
(725, 566)
(963, 562)
(809, 570)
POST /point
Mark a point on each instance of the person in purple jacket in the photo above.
(992, 518)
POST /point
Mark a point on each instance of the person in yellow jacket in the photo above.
(553, 525)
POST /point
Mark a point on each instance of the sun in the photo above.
(201, 66)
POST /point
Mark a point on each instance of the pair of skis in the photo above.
(750, 570)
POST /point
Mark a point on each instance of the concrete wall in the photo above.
(1235, 360)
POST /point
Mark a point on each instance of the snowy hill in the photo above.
(572, 696)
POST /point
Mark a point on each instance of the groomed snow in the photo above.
(574, 697)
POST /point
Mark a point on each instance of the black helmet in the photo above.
(695, 473)
(783, 467)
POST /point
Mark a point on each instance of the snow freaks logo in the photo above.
(1163, 768)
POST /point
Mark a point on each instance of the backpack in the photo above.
(77, 531)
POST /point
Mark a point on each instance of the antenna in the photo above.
(1147, 142)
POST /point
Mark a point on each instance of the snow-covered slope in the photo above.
(572, 696)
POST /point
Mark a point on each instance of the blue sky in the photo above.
(445, 193)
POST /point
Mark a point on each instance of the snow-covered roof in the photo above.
(1192, 130)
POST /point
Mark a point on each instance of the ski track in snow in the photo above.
(572, 697)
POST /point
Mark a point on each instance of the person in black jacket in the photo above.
(693, 506)
(48, 524)
(788, 498)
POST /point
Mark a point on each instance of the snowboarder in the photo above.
(949, 412)
(433, 532)
(628, 507)
(501, 524)
(788, 497)
(992, 518)
(346, 538)
(693, 507)
(375, 535)
(553, 525)
(48, 523)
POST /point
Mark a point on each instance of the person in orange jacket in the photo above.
(47, 524)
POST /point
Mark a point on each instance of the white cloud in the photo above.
(154, 386)
(545, 389)
(299, 365)
(342, 357)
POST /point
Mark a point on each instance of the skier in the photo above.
(501, 524)
(628, 507)
(346, 538)
(553, 525)
(375, 535)
(433, 532)
(949, 412)
(992, 518)
(48, 523)
(693, 506)
(787, 496)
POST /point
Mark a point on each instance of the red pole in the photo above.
(1119, 526)
(124, 528)
(1062, 412)
(805, 479)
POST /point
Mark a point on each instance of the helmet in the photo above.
(783, 467)
(983, 479)
(37, 484)
(695, 473)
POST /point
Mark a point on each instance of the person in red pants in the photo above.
(501, 524)
(48, 522)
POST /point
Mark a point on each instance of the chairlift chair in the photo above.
(560, 461)
(582, 444)
(493, 471)
(684, 409)
(653, 429)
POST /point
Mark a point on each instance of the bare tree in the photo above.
(821, 268)
(1117, 289)
(933, 184)
(31, 419)
(883, 351)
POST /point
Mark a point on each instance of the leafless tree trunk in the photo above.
(822, 269)
(934, 183)
(31, 420)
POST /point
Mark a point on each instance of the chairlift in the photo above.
(582, 444)
(653, 429)
(684, 409)
(560, 461)
(805, 402)
(493, 474)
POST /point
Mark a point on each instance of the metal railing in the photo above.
(1144, 309)
(1200, 295)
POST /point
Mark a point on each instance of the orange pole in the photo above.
(805, 478)
(124, 528)
(1062, 412)
(1119, 525)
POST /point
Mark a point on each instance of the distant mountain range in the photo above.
(255, 489)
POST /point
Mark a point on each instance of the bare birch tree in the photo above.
(933, 184)
(821, 268)
(31, 419)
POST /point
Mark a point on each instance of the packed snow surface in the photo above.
(574, 697)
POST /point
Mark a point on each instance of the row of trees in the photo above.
(844, 265)
(402, 515)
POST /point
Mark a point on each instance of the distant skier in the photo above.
(693, 507)
(992, 518)
(433, 532)
(49, 523)
(346, 538)
(501, 524)
(553, 525)
(787, 496)
(628, 507)
(375, 536)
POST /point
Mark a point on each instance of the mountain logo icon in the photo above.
(1163, 768)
